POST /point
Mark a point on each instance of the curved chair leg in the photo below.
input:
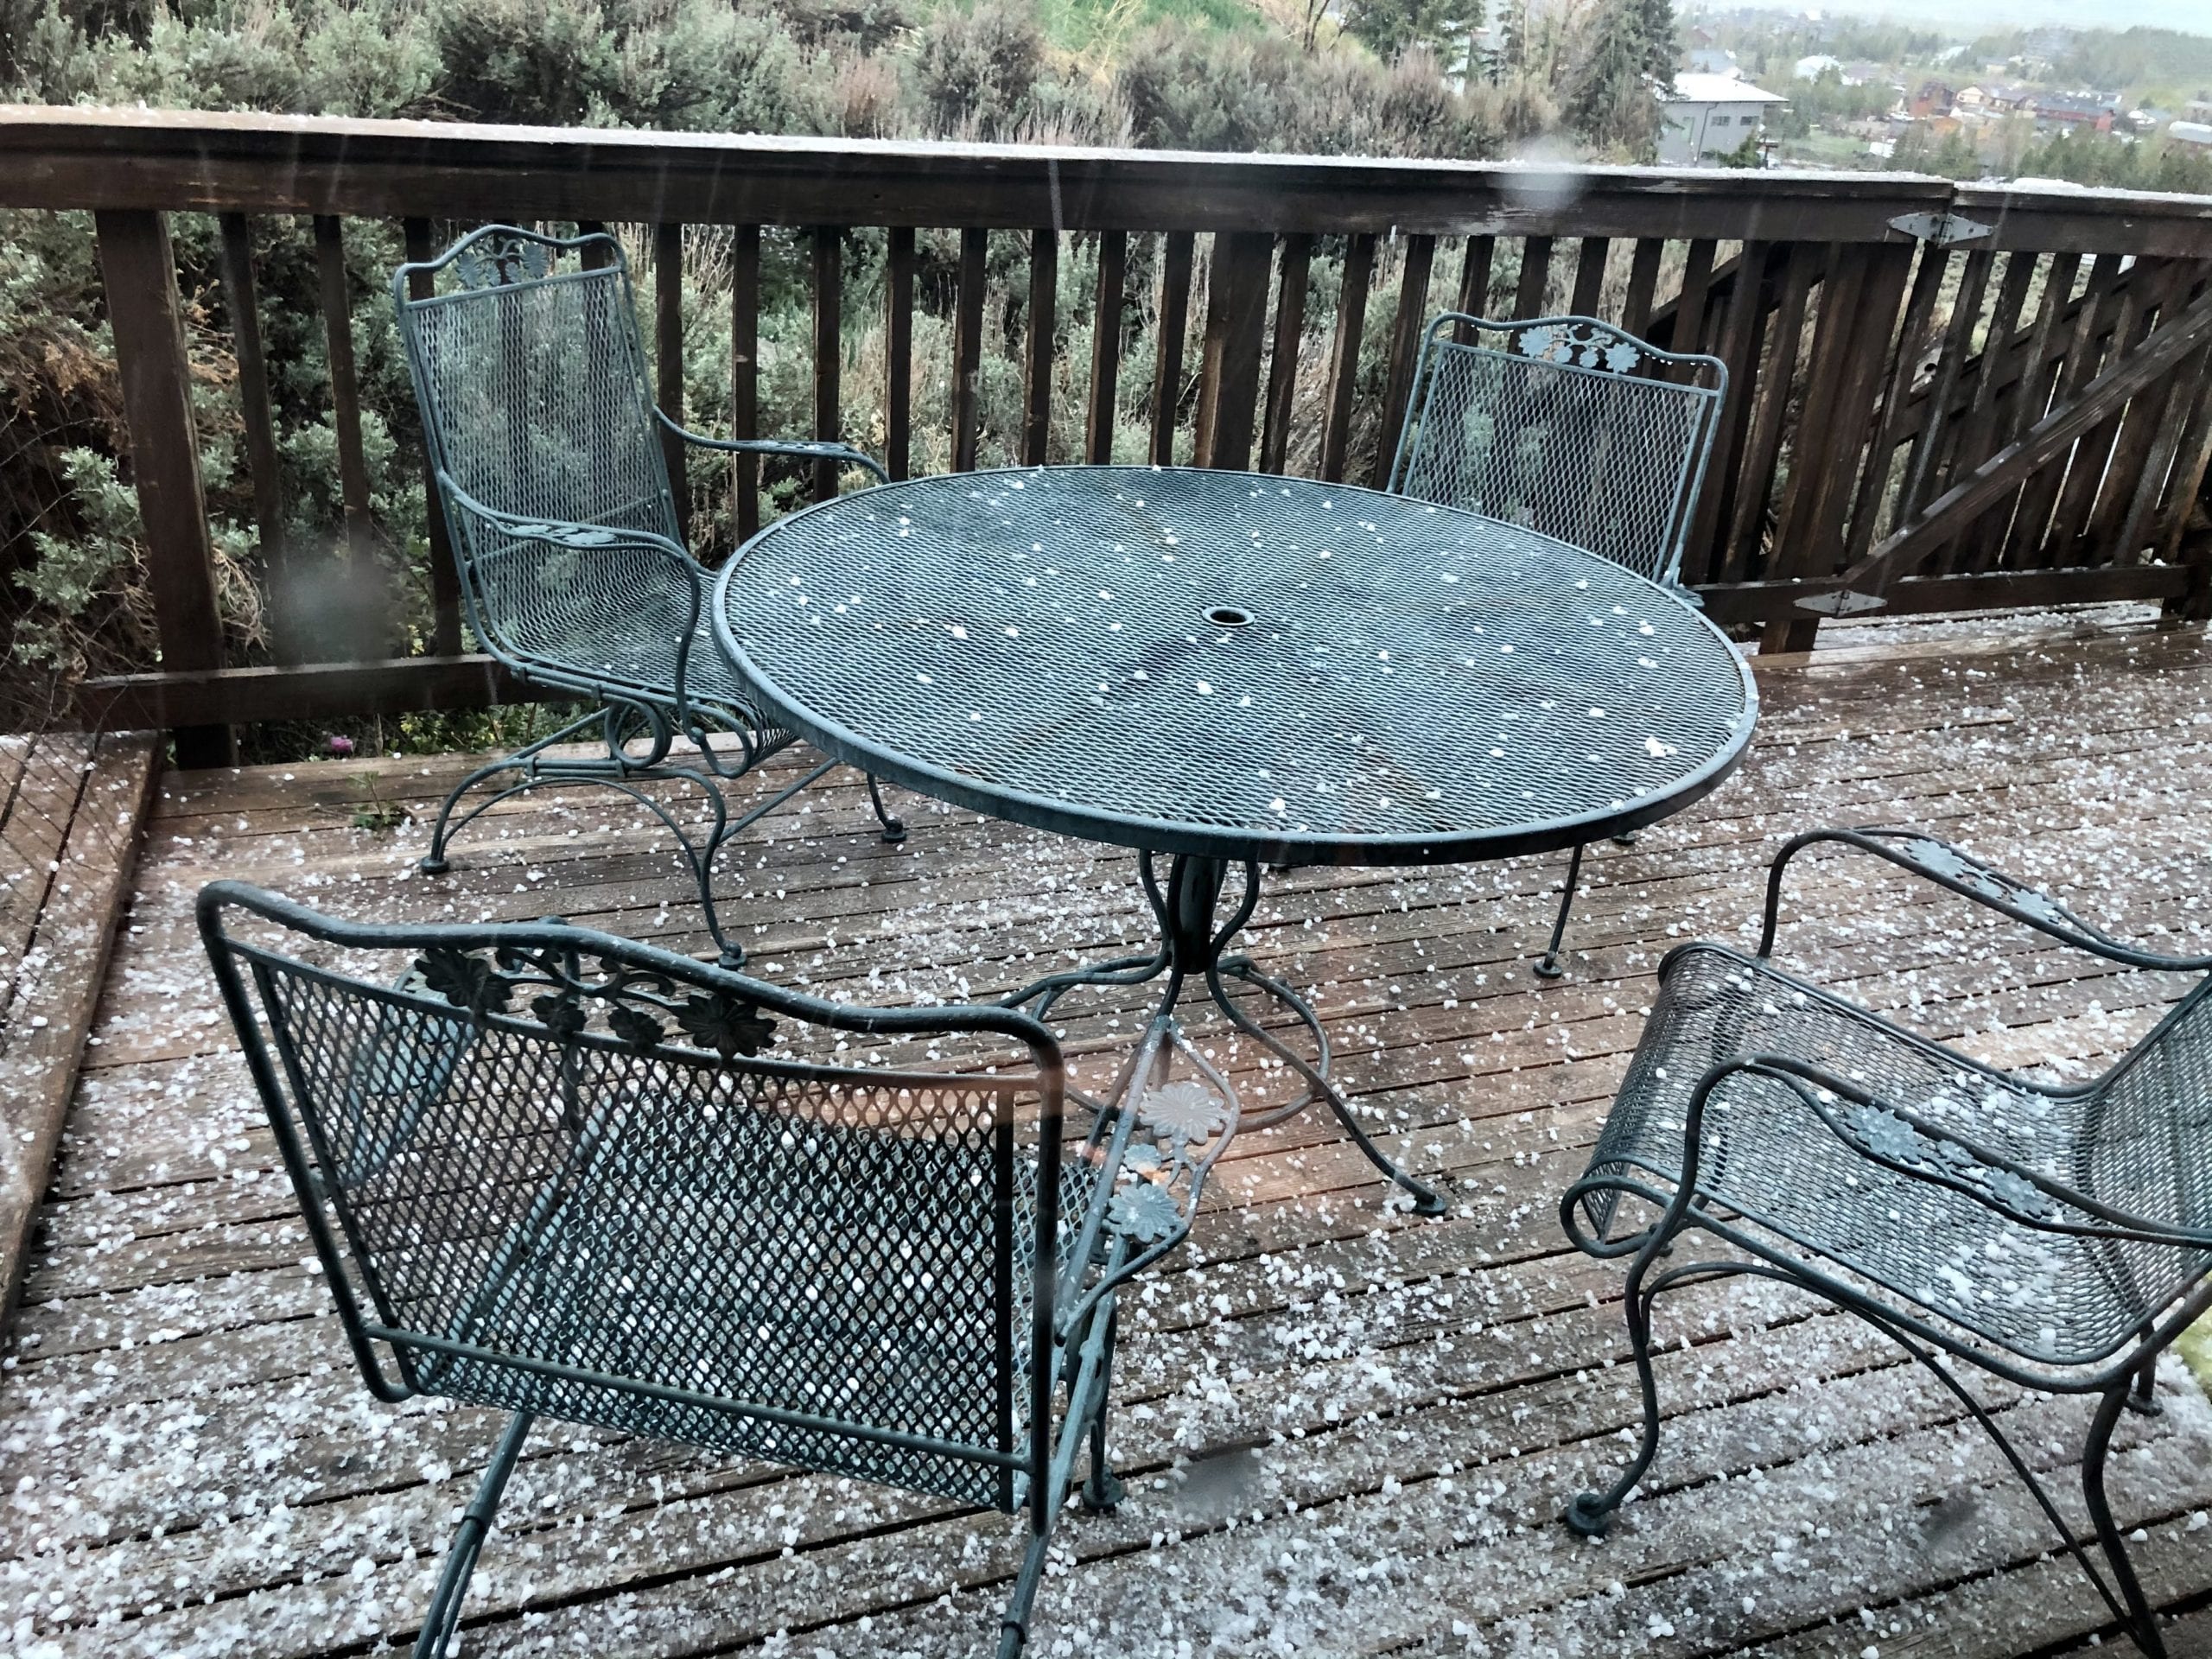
(1549, 968)
(2142, 1621)
(1102, 1489)
(1013, 1626)
(2144, 1396)
(442, 1618)
(894, 829)
(1591, 1512)
(523, 761)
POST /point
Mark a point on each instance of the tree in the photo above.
(1662, 46)
(1390, 28)
(1610, 97)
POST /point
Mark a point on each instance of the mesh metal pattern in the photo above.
(2139, 1140)
(531, 381)
(851, 1245)
(1205, 662)
(1564, 425)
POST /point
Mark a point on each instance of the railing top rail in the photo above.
(153, 159)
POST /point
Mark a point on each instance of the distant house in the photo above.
(1708, 115)
(1933, 97)
(2191, 132)
(1814, 68)
(1713, 61)
(1862, 73)
(1991, 99)
(2076, 112)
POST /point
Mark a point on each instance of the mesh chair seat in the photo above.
(619, 630)
(1769, 1158)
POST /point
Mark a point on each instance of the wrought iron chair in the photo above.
(2058, 1237)
(1568, 426)
(547, 448)
(565, 1175)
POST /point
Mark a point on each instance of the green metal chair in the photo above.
(1568, 426)
(562, 1174)
(546, 448)
(2058, 1237)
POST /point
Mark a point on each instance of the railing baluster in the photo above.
(668, 362)
(2077, 497)
(2144, 428)
(139, 274)
(1814, 455)
(345, 414)
(1175, 259)
(1037, 371)
(261, 443)
(445, 574)
(1106, 345)
(1643, 284)
(1922, 471)
(2031, 394)
(1590, 277)
(1530, 294)
(1688, 332)
(1703, 557)
(1474, 280)
(1405, 350)
(1343, 354)
(1282, 362)
(1236, 320)
(1764, 451)
(899, 352)
(1849, 415)
(744, 374)
(2031, 547)
(967, 347)
(1896, 398)
(1980, 428)
(829, 349)
(596, 258)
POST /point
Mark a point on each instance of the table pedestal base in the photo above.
(1194, 940)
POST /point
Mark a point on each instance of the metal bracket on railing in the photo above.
(1942, 230)
(1841, 602)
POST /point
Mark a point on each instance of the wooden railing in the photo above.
(1892, 341)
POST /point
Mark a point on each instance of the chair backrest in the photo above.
(1565, 425)
(555, 1170)
(2147, 1142)
(530, 376)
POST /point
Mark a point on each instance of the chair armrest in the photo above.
(1961, 873)
(580, 538)
(803, 448)
(1909, 1143)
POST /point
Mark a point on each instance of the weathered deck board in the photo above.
(205, 1475)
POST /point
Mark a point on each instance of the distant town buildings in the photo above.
(1707, 115)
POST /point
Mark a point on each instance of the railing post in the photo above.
(140, 274)
(1236, 316)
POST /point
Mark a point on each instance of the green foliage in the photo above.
(1389, 29)
(1609, 100)
(1207, 75)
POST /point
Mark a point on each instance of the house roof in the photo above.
(1690, 87)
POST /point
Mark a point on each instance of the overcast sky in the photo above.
(2195, 16)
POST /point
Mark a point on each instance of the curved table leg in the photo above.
(1194, 940)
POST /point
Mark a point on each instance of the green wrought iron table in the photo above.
(1224, 671)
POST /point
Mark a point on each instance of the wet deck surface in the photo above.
(1346, 1430)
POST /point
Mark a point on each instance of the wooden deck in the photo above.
(1349, 1432)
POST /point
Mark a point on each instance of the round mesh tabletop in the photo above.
(1233, 665)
